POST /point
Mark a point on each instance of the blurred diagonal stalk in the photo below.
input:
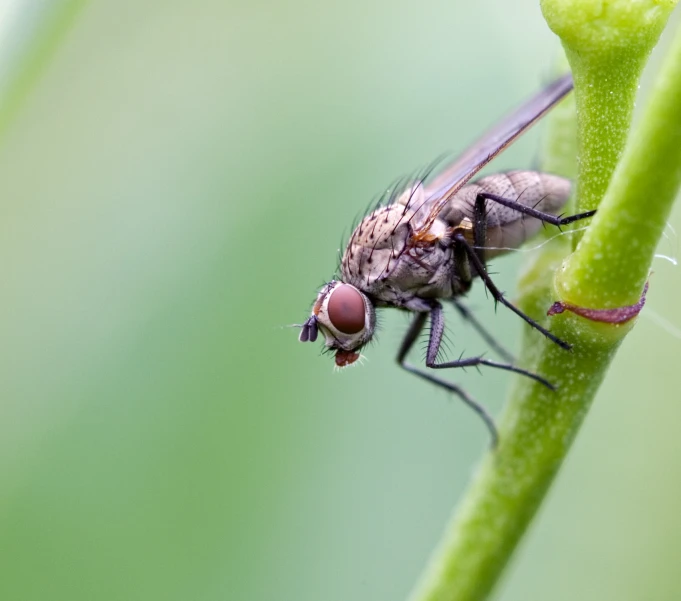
(30, 33)
(607, 53)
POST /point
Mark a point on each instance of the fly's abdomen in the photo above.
(507, 228)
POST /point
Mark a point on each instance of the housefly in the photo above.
(430, 239)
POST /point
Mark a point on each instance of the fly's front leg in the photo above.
(557, 220)
(409, 340)
(434, 341)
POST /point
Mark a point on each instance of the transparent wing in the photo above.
(445, 185)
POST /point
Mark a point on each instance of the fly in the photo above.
(428, 243)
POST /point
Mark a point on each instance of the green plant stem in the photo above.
(609, 265)
(604, 115)
(637, 197)
(535, 434)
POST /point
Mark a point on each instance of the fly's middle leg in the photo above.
(463, 269)
(496, 346)
(477, 259)
(480, 228)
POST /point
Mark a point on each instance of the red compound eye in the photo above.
(346, 309)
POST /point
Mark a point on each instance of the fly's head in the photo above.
(346, 317)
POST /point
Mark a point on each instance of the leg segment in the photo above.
(437, 328)
(409, 339)
(521, 208)
(480, 227)
(436, 331)
(468, 316)
(498, 295)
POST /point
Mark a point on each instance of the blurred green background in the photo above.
(175, 181)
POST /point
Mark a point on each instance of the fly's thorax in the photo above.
(346, 317)
(386, 261)
(376, 245)
(382, 237)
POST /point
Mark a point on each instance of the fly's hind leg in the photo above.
(557, 220)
